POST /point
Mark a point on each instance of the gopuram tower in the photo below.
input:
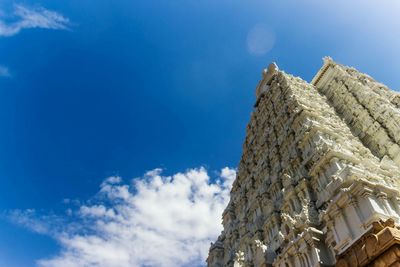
(318, 183)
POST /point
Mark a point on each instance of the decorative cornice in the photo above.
(378, 247)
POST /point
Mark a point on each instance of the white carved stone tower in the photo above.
(318, 182)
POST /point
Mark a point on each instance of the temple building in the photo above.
(318, 183)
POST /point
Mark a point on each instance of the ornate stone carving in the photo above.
(320, 167)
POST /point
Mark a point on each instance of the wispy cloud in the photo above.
(48, 224)
(156, 220)
(4, 71)
(25, 17)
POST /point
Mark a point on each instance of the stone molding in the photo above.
(379, 247)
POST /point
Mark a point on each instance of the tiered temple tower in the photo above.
(318, 182)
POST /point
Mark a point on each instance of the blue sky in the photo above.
(98, 89)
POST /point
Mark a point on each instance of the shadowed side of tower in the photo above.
(309, 183)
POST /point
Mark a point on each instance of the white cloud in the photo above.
(155, 221)
(24, 17)
(4, 72)
(260, 40)
(48, 224)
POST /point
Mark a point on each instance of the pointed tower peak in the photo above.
(270, 71)
(267, 75)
